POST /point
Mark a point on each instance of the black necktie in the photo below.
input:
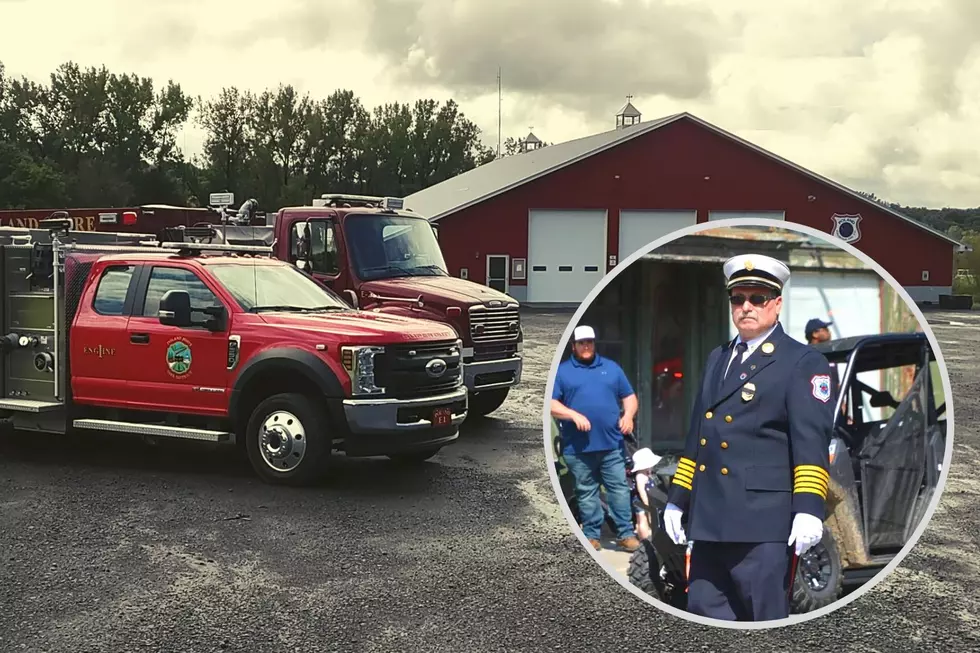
(737, 361)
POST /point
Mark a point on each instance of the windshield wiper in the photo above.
(297, 309)
(391, 269)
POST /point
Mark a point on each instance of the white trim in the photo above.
(486, 278)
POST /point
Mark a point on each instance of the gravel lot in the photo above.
(111, 545)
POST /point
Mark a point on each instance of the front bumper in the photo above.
(490, 375)
(383, 426)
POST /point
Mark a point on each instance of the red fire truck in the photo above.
(221, 343)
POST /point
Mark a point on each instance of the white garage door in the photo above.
(566, 254)
(637, 229)
(731, 215)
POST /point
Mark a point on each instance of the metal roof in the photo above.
(501, 175)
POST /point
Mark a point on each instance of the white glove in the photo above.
(672, 522)
(807, 531)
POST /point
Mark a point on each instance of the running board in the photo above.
(29, 405)
(136, 428)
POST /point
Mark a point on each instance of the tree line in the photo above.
(91, 137)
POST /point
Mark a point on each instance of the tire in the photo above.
(414, 457)
(484, 403)
(824, 557)
(644, 572)
(313, 442)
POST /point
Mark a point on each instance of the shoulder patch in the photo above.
(821, 387)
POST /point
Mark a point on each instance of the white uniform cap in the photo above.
(755, 270)
(583, 333)
(645, 459)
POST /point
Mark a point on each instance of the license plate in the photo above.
(442, 417)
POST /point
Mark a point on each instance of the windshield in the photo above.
(387, 246)
(274, 287)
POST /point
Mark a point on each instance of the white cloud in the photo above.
(883, 95)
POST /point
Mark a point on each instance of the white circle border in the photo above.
(868, 585)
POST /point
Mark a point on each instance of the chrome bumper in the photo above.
(514, 364)
(381, 416)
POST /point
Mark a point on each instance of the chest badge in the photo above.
(743, 376)
(748, 392)
(768, 348)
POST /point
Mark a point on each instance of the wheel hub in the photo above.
(282, 441)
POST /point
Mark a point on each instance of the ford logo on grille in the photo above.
(435, 368)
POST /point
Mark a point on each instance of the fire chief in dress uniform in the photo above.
(753, 476)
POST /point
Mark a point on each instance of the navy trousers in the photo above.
(740, 581)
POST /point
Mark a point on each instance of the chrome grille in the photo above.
(495, 323)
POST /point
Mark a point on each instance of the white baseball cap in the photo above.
(583, 333)
(645, 459)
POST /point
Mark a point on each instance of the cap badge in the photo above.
(749, 265)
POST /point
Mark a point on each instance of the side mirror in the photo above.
(218, 318)
(351, 298)
(435, 231)
(175, 308)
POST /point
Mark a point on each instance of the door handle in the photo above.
(139, 337)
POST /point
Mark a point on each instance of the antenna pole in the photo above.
(500, 109)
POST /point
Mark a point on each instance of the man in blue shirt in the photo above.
(586, 402)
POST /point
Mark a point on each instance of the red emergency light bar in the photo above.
(129, 217)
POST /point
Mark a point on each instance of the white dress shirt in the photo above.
(752, 346)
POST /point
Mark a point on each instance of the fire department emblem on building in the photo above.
(847, 227)
(179, 357)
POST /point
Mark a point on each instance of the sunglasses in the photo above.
(755, 299)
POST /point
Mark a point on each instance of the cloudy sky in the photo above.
(881, 95)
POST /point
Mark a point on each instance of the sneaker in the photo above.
(596, 544)
(629, 543)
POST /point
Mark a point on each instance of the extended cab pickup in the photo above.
(216, 343)
(387, 260)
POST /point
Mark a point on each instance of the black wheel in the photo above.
(414, 457)
(484, 403)
(644, 572)
(287, 439)
(819, 576)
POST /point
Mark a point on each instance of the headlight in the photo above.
(359, 363)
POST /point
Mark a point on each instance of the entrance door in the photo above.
(173, 366)
(497, 265)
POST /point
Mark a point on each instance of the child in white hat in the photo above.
(644, 460)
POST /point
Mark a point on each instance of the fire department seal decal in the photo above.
(821, 387)
(179, 357)
(846, 227)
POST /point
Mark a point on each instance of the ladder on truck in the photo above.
(39, 307)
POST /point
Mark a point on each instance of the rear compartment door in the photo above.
(174, 369)
(99, 342)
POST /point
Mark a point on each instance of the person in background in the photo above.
(753, 478)
(644, 460)
(588, 391)
(817, 331)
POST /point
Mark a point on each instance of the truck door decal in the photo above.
(179, 357)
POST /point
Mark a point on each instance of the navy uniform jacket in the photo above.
(757, 449)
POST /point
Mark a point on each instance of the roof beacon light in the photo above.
(392, 203)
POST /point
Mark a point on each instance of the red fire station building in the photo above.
(547, 224)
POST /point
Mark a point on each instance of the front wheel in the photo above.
(287, 439)
(483, 403)
(819, 576)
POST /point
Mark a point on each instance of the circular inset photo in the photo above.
(748, 423)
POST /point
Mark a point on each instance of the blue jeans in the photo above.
(588, 471)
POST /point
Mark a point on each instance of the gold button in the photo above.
(701, 468)
(703, 442)
(724, 445)
(724, 470)
(708, 414)
(728, 418)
